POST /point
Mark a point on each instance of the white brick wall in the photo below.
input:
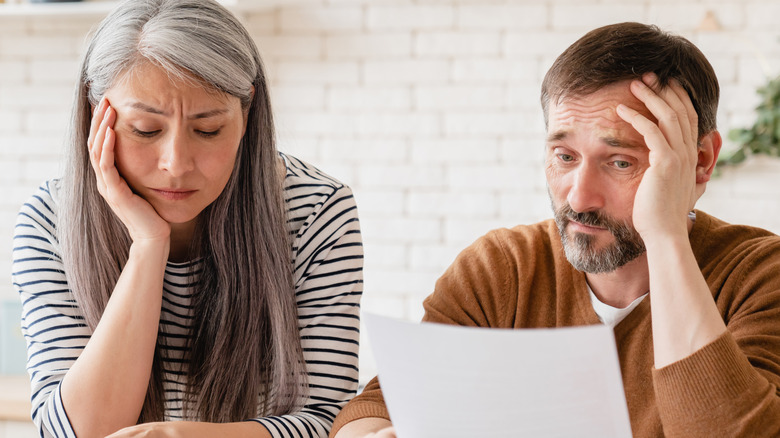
(427, 108)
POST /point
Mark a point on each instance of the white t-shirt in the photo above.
(611, 316)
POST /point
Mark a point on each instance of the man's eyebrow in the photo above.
(150, 109)
(609, 141)
(619, 143)
(557, 136)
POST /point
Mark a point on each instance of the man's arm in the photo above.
(480, 269)
(684, 314)
(705, 384)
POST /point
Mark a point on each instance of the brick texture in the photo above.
(429, 109)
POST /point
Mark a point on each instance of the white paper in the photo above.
(449, 381)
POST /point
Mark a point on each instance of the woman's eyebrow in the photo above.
(150, 109)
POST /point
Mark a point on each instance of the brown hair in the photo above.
(625, 51)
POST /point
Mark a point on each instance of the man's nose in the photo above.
(175, 156)
(586, 192)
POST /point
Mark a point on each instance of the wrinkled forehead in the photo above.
(598, 107)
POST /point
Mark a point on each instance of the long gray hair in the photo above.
(245, 345)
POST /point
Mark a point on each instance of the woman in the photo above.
(156, 276)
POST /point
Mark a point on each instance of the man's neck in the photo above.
(622, 286)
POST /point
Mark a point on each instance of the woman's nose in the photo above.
(175, 156)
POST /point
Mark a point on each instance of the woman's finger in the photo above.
(99, 144)
(113, 182)
(97, 117)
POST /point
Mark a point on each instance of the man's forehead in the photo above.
(596, 112)
(615, 138)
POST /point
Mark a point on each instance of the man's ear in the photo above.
(708, 151)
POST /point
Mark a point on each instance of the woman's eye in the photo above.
(145, 134)
(208, 134)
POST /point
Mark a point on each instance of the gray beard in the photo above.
(580, 248)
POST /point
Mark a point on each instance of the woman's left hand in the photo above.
(165, 429)
(193, 429)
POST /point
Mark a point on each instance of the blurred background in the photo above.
(428, 109)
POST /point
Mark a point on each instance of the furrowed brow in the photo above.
(207, 114)
(144, 107)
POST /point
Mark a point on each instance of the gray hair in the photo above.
(245, 284)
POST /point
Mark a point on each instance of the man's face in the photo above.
(594, 164)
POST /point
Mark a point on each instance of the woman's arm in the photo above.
(105, 388)
(81, 379)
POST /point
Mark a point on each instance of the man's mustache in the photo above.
(592, 218)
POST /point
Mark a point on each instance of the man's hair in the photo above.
(625, 51)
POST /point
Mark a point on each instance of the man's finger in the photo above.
(668, 118)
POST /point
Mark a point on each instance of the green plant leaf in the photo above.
(763, 138)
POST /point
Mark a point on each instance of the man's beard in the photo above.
(580, 248)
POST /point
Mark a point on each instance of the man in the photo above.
(694, 301)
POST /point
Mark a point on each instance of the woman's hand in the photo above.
(150, 430)
(140, 218)
(193, 429)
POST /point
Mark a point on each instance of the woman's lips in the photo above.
(174, 194)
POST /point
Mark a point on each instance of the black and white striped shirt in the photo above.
(328, 261)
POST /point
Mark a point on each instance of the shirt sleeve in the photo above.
(51, 323)
(328, 286)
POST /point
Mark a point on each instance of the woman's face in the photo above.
(176, 143)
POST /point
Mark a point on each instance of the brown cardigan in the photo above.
(520, 278)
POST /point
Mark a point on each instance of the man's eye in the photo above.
(146, 134)
(566, 158)
(620, 164)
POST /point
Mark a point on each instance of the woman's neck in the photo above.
(181, 241)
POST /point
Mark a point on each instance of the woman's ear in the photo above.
(708, 151)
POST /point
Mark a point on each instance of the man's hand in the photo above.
(684, 314)
(668, 188)
(369, 427)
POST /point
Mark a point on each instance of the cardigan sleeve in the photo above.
(52, 325)
(730, 386)
(328, 287)
(716, 392)
(466, 294)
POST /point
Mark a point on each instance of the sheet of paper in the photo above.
(448, 381)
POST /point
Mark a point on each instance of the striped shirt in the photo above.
(328, 262)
